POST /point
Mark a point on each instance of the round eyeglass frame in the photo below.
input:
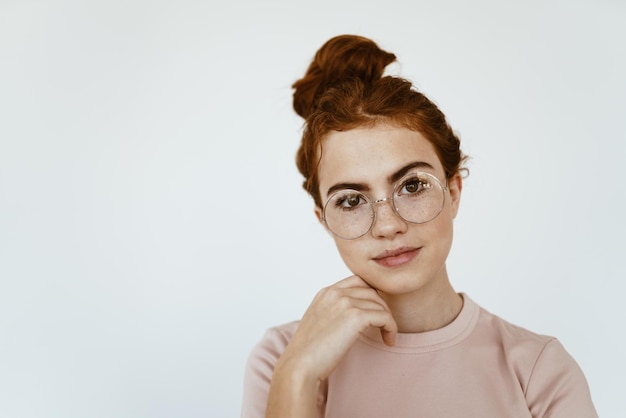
(374, 203)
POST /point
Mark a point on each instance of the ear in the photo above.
(318, 214)
(455, 187)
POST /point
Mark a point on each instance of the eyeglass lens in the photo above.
(417, 198)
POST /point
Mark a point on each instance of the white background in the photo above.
(152, 224)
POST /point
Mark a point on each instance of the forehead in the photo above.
(370, 155)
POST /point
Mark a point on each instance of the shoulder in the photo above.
(273, 343)
(268, 350)
(513, 345)
(516, 341)
(260, 368)
(552, 381)
(557, 386)
(517, 346)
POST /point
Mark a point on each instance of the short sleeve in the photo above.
(259, 370)
(557, 387)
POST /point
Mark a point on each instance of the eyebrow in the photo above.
(404, 170)
(360, 187)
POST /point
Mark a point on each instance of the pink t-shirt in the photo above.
(477, 366)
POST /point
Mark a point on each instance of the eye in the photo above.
(413, 185)
(349, 200)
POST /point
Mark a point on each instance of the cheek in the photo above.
(441, 231)
(352, 254)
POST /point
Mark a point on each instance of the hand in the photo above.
(332, 324)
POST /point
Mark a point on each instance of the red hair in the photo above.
(343, 89)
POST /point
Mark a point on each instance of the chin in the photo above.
(409, 278)
(395, 283)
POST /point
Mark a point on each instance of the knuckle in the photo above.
(324, 292)
(344, 302)
(353, 314)
(333, 293)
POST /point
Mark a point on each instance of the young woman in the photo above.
(395, 339)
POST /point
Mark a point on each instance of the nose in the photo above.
(387, 223)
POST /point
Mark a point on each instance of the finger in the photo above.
(387, 325)
(352, 281)
(389, 338)
(365, 294)
(335, 294)
(366, 305)
(364, 313)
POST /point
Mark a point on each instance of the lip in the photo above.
(396, 257)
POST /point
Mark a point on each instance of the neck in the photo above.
(426, 309)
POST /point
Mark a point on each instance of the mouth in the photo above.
(396, 257)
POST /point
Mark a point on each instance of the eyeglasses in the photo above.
(417, 198)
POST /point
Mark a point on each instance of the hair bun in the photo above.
(341, 58)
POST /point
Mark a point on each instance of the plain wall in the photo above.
(152, 223)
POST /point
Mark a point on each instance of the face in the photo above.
(395, 256)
